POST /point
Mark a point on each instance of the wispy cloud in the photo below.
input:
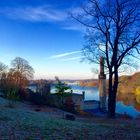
(72, 58)
(45, 13)
(64, 54)
(40, 13)
(75, 27)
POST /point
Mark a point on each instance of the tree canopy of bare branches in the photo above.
(3, 68)
(22, 66)
(20, 73)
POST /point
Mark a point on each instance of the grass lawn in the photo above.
(22, 124)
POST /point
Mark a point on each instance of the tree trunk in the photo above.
(112, 105)
(115, 87)
(112, 94)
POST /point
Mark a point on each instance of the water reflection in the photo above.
(127, 110)
(126, 102)
(91, 93)
(128, 99)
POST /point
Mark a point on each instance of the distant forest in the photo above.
(89, 83)
(128, 84)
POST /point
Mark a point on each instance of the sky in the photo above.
(42, 32)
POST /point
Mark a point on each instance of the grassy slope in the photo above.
(21, 124)
(18, 124)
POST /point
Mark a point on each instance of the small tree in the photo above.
(12, 97)
(62, 90)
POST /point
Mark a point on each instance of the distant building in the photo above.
(81, 104)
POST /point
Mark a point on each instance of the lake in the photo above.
(124, 104)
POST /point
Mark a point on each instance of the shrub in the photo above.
(137, 90)
(69, 105)
(12, 97)
(37, 98)
(137, 93)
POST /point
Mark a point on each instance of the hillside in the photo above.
(23, 123)
(89, 82)
(128, 84)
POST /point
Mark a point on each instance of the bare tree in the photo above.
(21, 72)
(113, 32)
(3, 71)
(3, 68)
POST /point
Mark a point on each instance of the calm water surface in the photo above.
(92, 93)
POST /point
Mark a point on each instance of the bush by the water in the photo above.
(138, 94)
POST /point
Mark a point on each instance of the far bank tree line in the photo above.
(89, 83)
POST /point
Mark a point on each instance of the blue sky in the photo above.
(42, 32)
